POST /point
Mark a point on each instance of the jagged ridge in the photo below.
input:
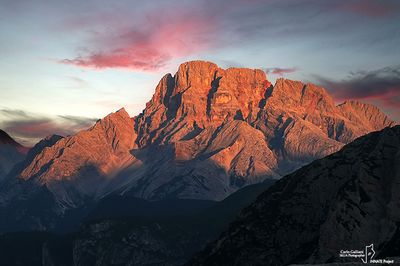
(205, 133)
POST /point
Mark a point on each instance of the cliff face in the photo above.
(205, 133)
(345, 201)
(200, 95)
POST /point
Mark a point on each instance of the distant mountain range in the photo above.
(206, 133)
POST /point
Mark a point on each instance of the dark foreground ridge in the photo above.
(345, 201)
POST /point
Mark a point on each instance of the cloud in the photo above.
(381, 86)
(29, 128)
(280, 71)
(80, 83)
(366, 84)
(370, 8)
(149, 37)
(151, 42)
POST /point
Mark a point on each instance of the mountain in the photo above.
(345, 201)
(206, 133)
(123, 229)
(55, 185)
(11, 153)
(159, 239)
(34, 249)
(80, 166)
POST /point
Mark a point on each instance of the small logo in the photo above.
(368, 254)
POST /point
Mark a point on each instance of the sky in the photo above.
(65, 64)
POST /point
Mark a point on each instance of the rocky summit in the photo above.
(346, 201)
(205, 133)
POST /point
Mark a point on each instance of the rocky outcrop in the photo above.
(345, 201)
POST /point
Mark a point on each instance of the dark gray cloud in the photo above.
(381, 86)
(30, 128)
(380, 83)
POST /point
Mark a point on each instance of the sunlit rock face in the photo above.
(80, 166)
(205, 133)
(200, 95)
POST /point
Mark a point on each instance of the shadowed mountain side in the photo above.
(35, 249)
(11, 153)
(210, 165)
(345, 201)
(167, 240)
(122, 229)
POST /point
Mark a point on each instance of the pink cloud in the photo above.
(150, 44)
(280, 71)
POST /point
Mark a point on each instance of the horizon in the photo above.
(66, 65)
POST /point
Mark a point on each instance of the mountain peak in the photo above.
(122, 111)
(366, 114)
(201, 94)
(7, 139)
(299, 88)
(53, 137)
(197, 64)
(114, 122)
(302, 99)
(11, 153)
(98, 152)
